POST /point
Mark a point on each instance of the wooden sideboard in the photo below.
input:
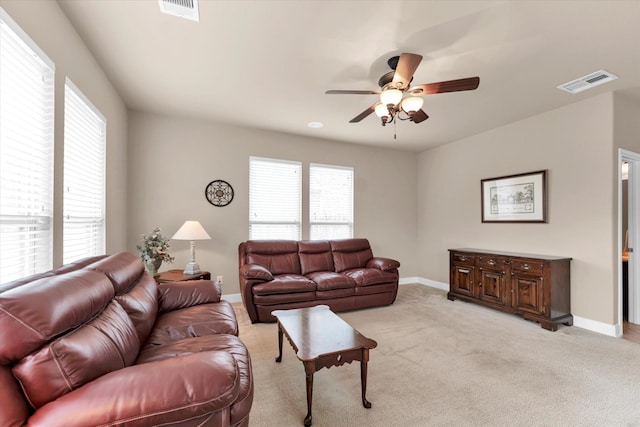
(536, 287)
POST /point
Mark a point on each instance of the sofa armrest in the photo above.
(255, 272)
(176, 295)
(155, 393)
(384, 264)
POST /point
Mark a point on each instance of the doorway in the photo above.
(629, 236)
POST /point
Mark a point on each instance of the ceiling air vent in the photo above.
(587, 82)
(187, 9)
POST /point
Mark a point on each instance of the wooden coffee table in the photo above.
(322, 340)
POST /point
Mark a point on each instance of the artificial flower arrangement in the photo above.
(154, 250)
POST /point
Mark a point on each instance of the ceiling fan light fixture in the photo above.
(381, 110)
(390, 96)
(411, 104)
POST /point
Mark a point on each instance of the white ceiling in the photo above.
(267, 63)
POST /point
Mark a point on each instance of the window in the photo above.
(330, 202)
(26, 154)
(84, 177)
(275, 192)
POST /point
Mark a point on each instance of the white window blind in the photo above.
(26, 154)
(330, 202)
(275, 193)
(84, 176)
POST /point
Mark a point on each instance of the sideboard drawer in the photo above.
(526, 266)
(464, 258)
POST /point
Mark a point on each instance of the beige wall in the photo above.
(575, 144)
(171, 161)
(49, 28)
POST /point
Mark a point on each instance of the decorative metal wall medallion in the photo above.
(219, 193)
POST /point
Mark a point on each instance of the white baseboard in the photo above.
(580, 322)
(232, 297)
(422, 281)
(599, 327)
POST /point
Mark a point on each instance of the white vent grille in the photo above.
(587, 82)
(187, 9)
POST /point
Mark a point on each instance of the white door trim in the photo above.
(634, 235)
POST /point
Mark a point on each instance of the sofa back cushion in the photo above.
(350, 253)
(33, 314)
(106, 343)
(123, 269)
(141, 304)
(315, 256)
(277, 256)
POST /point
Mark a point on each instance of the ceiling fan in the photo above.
(394, 85)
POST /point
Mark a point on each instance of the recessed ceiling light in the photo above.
(315, 125)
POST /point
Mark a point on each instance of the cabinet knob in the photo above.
(491, 262)
(463, 258)
(526, 266)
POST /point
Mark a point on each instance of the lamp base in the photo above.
(192, 268)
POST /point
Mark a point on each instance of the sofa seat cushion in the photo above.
(328, 280)
(370, 276)
(196, 321)
(284, 284)
(227, 343)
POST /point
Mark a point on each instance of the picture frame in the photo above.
(515, 198)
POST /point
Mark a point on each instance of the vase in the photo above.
(153, 266)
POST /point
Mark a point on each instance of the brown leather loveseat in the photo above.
(285, 274)
(99, 343)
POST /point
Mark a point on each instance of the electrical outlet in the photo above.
(219, 279)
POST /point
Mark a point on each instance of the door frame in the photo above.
(634, 236)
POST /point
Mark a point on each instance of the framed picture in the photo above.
(515, 198)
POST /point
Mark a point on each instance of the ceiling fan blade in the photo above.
(419, 116)
(407, 65)
(364, 114)
(352, 92)
(469, 83)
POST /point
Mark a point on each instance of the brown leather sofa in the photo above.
(99, 343)
(285, 274)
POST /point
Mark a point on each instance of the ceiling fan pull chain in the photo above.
(394, 128)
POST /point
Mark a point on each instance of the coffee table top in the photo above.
(317, 331)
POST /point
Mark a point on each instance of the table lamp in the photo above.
(191, 230)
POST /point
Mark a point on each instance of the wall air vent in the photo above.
(587, 82)
(187, 9)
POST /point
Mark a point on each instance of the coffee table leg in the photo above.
(279, 358)
(363, 377)
(309, 368)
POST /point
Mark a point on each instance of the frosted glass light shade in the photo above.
(191, 230)
(390, 96)
(412, 104)
(381, 110)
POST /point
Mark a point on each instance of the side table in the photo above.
(179, 276)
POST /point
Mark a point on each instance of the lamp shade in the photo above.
(191, 230)
(390, 96)
(412, 104)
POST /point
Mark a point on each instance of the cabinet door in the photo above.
(462, 279)
(492, 286)
(527, 293)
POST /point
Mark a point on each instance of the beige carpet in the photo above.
(444, 363)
